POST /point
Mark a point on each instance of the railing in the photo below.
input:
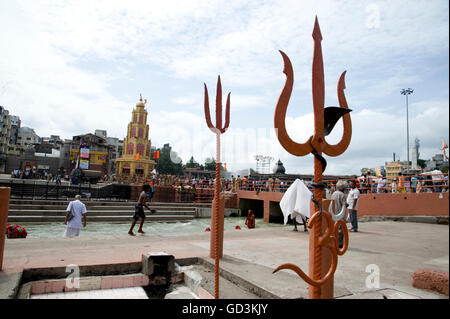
(202, 191)
(36, 189)
(430, 183)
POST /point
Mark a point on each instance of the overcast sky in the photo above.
(70, 67)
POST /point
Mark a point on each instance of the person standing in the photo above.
(401, 183)
(139, 209)
(352, 201)
(250, 221)
(339, 201)
(75, 212)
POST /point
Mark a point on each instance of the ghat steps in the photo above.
(98, 211)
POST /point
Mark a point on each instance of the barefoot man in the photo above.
(139, 210)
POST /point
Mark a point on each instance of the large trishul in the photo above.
(218, 130)
(324, 232)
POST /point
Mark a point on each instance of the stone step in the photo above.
(149, 218)
(62, 212)
(14, 208)
(101, 203)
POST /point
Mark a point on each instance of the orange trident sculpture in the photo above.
(324, 232)
(444, 147)
(218, 130)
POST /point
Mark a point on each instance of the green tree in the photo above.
(422, 163)
(210, 164)
(169, 162)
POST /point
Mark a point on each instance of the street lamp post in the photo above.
(407, 92)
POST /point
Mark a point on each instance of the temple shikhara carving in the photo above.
(135, 162)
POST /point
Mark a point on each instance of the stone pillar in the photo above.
(266, 210)
(221, 228)
(327, 289)
(4, 207)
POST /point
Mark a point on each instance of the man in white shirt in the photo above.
(381, 185)
(352, 201)
(78, 210)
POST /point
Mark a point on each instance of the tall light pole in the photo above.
(407, 92)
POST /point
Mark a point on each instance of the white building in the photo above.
(27, 136)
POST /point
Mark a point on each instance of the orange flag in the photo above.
(137, 157)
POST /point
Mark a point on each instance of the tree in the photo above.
(169, 162)
(422, 163)
(210, 164)
(369, 171)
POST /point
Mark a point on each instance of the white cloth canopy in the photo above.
(435, 175)
(296, 201)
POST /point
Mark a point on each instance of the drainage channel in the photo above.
(157, 276)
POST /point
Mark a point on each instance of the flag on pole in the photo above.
(137, 157)
(155, 154)
(145, 101)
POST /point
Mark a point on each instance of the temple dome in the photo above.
(140, 103)
(279, 168)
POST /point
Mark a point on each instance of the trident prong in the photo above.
(324, 122)
(218, 129)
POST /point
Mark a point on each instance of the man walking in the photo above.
(352, 201)
(75, 211)
(147, 192)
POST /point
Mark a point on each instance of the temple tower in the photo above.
(135, 160)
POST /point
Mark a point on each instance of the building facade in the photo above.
(27, 136)
(394, 168)
(88, 152)
(136, 156)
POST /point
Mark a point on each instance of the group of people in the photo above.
(350, 201)
(403, 184)
(37, 174)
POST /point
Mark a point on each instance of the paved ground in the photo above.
(397, 249)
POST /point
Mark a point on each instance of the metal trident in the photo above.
(218, 130)
(324, 121)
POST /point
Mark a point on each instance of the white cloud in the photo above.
(70, 67)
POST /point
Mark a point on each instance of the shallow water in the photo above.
(55, 230)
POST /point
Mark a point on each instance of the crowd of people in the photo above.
(32, 173)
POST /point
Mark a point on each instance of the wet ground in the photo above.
(98, 229)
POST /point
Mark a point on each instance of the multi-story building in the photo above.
(9, 129)
(54, 140)
(90, 152)
(135, 160)
(394, 168)
(27, 136)
(116, 145)
(436, 162)
(5, 130)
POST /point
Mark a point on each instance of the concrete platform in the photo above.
(396, 249)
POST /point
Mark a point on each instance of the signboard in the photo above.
(43, 166)
(84, 152)
(84, 164)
